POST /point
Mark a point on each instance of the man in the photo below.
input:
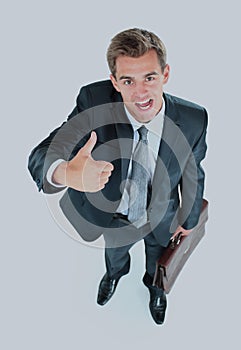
(129, 156)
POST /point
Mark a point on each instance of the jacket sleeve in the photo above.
(58, 145)
(192, 186)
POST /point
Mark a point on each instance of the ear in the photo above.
(114, 82)
(166, 74)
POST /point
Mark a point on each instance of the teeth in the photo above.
(144, 104)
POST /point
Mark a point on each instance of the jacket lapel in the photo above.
(124, 133)
(168, 145)
(170, 132)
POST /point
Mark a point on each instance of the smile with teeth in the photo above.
(144, 105)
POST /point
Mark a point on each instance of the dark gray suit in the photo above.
(99, 107)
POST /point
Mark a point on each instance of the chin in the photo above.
(145, 117)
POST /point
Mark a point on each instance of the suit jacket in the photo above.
(178, 170)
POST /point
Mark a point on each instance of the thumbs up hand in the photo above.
(83, 173)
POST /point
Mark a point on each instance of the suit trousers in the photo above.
(117, 257)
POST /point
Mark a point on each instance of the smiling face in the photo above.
(140, 82)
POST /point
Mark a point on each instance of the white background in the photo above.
(49, 281)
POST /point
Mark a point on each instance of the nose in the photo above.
(140, 90)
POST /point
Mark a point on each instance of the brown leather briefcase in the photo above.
(177, 252)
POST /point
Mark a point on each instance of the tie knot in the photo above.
(143, 133)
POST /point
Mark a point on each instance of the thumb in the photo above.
(88, 147)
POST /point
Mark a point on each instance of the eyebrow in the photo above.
(123, 77)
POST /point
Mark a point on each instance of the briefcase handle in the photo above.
(175, 241)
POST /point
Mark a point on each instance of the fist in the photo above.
(83, 173)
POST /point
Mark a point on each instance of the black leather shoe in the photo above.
(107, 288)
(158, 300)
(158, 305)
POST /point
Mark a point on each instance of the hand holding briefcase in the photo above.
(177, 253)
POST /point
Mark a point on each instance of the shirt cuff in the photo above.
(50, 172)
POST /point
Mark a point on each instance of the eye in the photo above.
(127, 82)
(150, 78)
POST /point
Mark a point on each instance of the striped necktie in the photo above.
(139, 179)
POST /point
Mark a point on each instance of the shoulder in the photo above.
(98, 93)
(189, 112)
(183, 104)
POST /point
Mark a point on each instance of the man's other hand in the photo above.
(181, 230)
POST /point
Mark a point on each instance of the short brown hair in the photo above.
(134, 43)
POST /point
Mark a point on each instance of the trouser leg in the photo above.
(117, 258)
(117, 261)
(153, 251)
(119, 239)
(158, 301)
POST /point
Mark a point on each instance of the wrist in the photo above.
(59, 175)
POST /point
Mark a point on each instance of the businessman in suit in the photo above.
(130, 157)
